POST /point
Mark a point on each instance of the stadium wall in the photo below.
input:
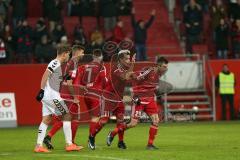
(24, 81)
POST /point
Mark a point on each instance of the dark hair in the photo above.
(77, 47)
(97, 52)
(161, 60)
(62, 48)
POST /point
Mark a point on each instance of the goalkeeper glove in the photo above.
(40, 95)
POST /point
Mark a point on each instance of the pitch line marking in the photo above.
(82, 155)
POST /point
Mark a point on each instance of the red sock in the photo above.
(152, 133)
(74, 126)
(56, 126)
(94, 128)
(120, 128)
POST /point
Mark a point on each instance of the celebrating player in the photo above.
(121, 75)
(70, 75)
(144, 89)
(93, 76)
(52, 103)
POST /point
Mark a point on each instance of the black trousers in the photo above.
(230, 99)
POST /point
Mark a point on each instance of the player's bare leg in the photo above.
(153, 131)
(46, 120)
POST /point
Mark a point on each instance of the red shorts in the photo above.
(149, 107)
(93, 105)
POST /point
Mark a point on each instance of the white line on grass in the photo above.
(5, 154)
(81, 155)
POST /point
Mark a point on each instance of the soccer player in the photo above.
(69, 75)
(121, 76)
(52, 102)
(93, 76)
(144, 90)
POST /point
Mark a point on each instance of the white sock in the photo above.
(41, 133)
(67, 132)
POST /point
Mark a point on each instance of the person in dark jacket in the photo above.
(222, 34)
(44, 50)
(193, 23)
(19, 11)
(140, 34)
(23, 40)
(108, 10)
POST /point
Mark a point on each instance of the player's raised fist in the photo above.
(40, 95)
(153, 12)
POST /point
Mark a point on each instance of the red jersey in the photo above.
(68, 70)
(146, 83)
(116, 84)
(92, 75)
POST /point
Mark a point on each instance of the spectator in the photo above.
(234, 11)
(40, 30)
(218, 12)
(63, 40)
(96, 37)
(193, 24)
(58, 32)
(124, 7)
(225, 84)
(79, 36)
(236, 39)
(76, 9)
(3, 53)
(96, 10)
(3, 10)
(8, 39)
(44, 50)
(118, 33)
(108, 10)
(140, 34)
(222, 35)
(23, 34)
(19, 11)
(97, 41)
(52, 9)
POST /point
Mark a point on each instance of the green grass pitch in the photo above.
(176, 141)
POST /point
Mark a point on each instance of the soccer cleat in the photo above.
(73, 147)
(47, 142)
(109, 139)
(41, 149)
(151, 147)
(122, 145)
(91, 143)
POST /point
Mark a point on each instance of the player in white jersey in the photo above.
(52, 103)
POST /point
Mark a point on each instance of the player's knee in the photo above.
(120, 118)
(104, 120)
(95, 119)
(47, 120)
(67, 117)
(155, 121)
(132, 124)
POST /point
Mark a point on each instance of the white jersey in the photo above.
(51, 90)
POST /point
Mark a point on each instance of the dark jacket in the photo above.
(108, 8)
(19, 8)
(192, 16)
(140, 35)
(222, 33)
